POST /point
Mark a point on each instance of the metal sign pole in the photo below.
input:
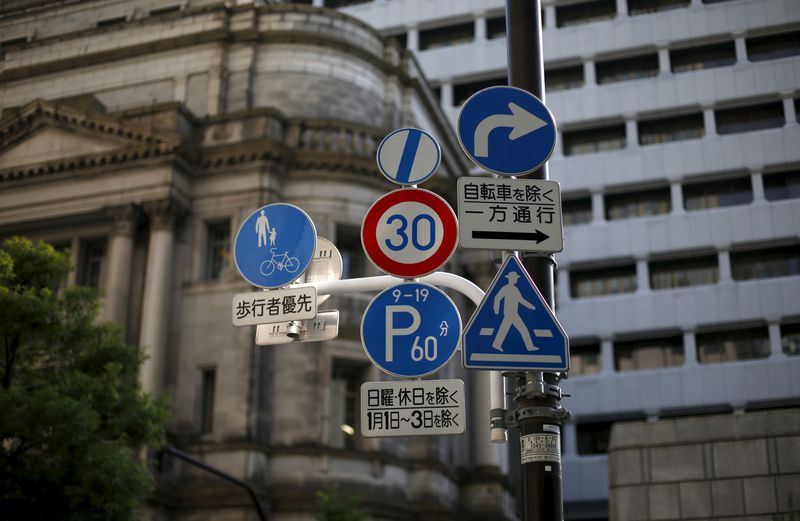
(539, 414)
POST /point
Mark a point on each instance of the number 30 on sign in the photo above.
(409, 232)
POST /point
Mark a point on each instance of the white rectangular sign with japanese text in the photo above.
(412, 408)
(510, 214)
(274, 306)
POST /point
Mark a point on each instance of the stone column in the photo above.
(757, 179)
(480, 27)
(663, 61)
(725, 274)
(631, 132)
(642, 276)
(120, 252)
(157, 285)
(446, 99)
(676, 191)
(412, 39)
(589, 76)
(689, 348)
(622, 8)
(789, 112)
(607, 356)
(741, 49)
(549, 16)
(709, 122)
(598, 208)
(775, 343)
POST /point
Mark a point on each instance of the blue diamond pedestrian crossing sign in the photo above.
(513, 328)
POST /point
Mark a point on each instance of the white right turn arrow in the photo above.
(520, 120)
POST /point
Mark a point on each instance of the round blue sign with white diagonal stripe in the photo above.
(408, 156)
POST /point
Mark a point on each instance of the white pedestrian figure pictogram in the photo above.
(511, 298)
(273, 234)
(262, 228)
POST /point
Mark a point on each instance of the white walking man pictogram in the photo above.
(511, 298)
(262, 228)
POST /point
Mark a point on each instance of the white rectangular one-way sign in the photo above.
(510, 214)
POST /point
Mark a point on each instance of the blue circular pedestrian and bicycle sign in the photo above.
(275, 245)
(506, 130)
(408, 156)
(411, 329)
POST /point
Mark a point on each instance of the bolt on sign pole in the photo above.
(539, 414)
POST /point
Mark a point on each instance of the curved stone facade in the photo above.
(186, 120)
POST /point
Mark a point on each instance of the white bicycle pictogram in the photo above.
(281, 261)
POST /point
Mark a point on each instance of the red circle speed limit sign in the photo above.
(409, 232)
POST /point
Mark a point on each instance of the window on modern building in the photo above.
(655, 201)
(790, 338)
(600, 139)
(765, 263)
(695, 411)
(576, 211)
(679, 273)
(648, 354)
(462, 91)
(797, 109)
(592, 438)
(636, 7)
(446, 36)
(782, 185)
(91, 262)
(733, 345)
(703, 57)
(716, 1)
(218, 246)
(751, 117)
(585, 12)
(496, 27)
(676, 128)
(716, 194)
(623, 69)
(336, 4)
(400, 38)
(205, 409)
(602, 281)
(773, 46)
(346, 380)
(561, 78)
(348, 241)
(584, 359)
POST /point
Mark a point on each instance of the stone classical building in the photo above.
(140, 134)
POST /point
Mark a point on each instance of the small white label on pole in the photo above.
(412, 408)
(274, 306)
(536, 448)
(325, 326)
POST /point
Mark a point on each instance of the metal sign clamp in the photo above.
(537, 389)
(512, 418)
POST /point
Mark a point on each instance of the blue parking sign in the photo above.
(506, 130)
(411, 329)
(275, 245)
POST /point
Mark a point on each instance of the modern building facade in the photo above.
(140, 134)
(677, 155)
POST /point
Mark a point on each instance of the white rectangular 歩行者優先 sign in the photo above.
(274, 306)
